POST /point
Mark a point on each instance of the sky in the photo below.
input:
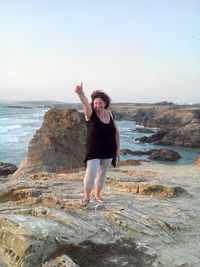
(135, 50)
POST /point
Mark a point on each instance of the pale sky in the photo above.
(134, 50)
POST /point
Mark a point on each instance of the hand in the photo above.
(79, 89)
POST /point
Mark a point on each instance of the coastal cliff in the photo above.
(181, 123)
(150, 218)
(58, 145)
(60, 142)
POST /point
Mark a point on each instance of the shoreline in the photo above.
(24, 125)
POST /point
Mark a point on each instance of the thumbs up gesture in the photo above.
(79, 89)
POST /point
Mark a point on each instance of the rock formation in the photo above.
(164, 154)
(182, 123)
(59, 143)
(7, 168)
(155, 154)
(148, 207)
(144, 130)
(152, 138)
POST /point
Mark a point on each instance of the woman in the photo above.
(102, 144)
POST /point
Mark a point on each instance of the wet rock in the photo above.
(134, 152)
(144, 130)
(152, 138)
(155, 154)
(164, 154)
(7, 168)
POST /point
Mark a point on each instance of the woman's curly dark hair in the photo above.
(103, 96)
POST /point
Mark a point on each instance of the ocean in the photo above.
(18, 125)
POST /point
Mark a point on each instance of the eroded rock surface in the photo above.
(150, 209)
(182, 123)
(58, 145)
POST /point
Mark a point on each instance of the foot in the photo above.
(99, 199)
(84, 202)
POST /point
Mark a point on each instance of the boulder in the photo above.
(134, 152)
(144, 130)
(7, 168)
(155, 154)
(152, 138)
(164, 154)
(58, 145)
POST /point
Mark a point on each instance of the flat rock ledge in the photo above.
(41, 223)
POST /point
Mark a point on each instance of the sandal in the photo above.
(84, 202)
(99, 199)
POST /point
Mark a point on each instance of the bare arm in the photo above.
(86, 105)
(117, 138)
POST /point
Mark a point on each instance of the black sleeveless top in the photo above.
(101, 142)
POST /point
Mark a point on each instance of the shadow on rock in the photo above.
(124, 252)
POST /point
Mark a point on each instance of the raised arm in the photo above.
(86, 105)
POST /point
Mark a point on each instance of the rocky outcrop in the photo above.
(182, 122)
(7, 168)
(144, 130)
(155, 154)
(59, 143)
(182, 125)
(41, 223)
(152, 138)
(164, 154)
(134, 152)
(186, 136)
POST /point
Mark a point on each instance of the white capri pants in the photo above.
(96, 172)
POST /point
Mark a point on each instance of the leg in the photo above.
(90, 175)
(87, 193)
(100, 179)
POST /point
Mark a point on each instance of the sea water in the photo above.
(128, 136)
(17, 127)
(19, 124)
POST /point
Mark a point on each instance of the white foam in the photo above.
(12, 140)
(5, 129)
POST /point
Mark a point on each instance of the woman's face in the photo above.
(99, 104)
